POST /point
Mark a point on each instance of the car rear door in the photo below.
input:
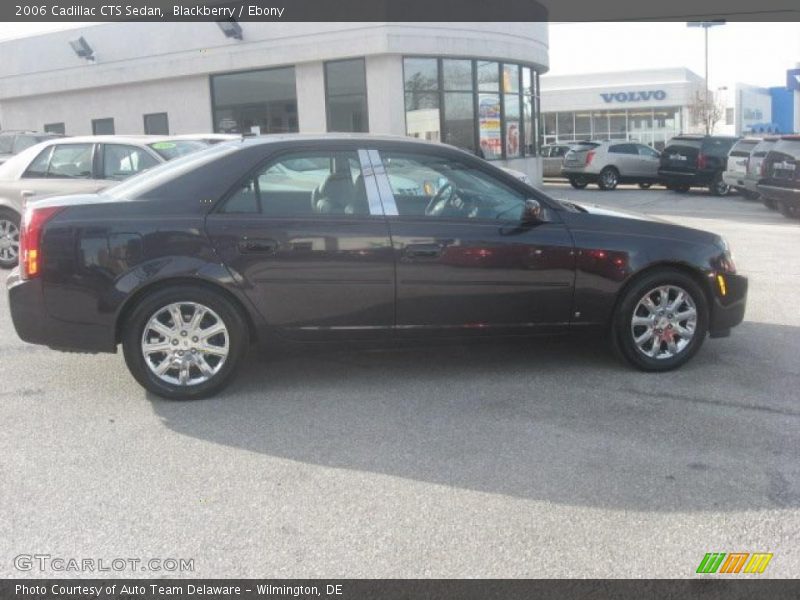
(306, 236)
(471, 267)
(60, 169)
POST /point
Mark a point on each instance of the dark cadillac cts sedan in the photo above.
(309, 238)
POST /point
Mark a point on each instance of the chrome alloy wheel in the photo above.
(610, 178)
(185, 343)
(9, 241)
(664, 322)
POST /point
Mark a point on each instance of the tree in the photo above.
(706, 110)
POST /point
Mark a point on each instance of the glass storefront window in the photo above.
(457, 75)
(491, 144)
(346, 95)
(651, 126)
(617, 124)
(263, 101)
(459, 120)
(512, 125)
(565, 124)
(583, 124)
(600, 129)
(488, 76)
(482, 106)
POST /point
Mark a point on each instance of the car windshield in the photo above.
(172, 149)
(150, 179)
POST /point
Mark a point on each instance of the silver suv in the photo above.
(14, 142)
(753, 174)
(736, 167)
(610, 163)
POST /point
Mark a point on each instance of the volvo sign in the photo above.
(640, 96)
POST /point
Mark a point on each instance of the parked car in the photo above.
(188, 263)
(523, 177)
(14, 142)
(690, 161)
(610, 163)
(74, 165)
(736, 166)
(552, 158)
(753, 174)
(780, 176)
(208, 138)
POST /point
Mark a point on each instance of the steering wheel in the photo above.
(439, 202)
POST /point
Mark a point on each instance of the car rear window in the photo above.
(788, 147)
(6, 143)
(762, 148)
(718, 147)
(743, 147)
(171, 149)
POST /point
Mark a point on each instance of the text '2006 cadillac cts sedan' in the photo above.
(310, 238)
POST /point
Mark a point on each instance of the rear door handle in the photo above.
(258, 245)
(27, 193)
(424, 250)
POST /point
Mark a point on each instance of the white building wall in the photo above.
(310, 83)
(385, 95)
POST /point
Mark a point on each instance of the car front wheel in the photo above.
(9, 238)
(645, 186)
(184, 342)
(788, 210)
(661, 321)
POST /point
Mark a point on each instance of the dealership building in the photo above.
(474, 85)
(651, 106)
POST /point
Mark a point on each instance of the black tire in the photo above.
(134, 326)
(718, 187)
(621, 331)
(608, 179)
(789, 211)
(578, 183)
(750, 195)
(681, 189)
(8, 215)
(645, 186)
(768, 202)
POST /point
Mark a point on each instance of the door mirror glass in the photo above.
(532, 211)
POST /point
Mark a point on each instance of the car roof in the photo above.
(701, 137)
(115, 139)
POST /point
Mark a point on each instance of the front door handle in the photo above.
(424, 250)
(27, 193)
(258, 245)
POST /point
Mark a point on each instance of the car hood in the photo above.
(593, 209)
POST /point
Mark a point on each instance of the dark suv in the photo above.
(696, 161)
(779, 183)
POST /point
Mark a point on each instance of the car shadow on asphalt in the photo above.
(554, 421)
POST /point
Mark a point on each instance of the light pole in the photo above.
(706, 25)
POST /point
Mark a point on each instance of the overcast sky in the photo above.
(755, 53)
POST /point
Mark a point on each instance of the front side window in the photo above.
(346, 95)
(71, 161)
(442, 188)
(303, 185)
(121, 161)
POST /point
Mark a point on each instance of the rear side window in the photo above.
(71, 161)
(303, 185)
(623, 149)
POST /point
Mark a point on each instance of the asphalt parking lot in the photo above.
(546, 459)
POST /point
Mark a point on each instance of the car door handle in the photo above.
(258, 245)
(423, 250)
(27, 193)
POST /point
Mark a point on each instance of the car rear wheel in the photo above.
(9, 238)
(681, 189)
(750, 195)
(768, 202)
(608, 179)
(645, 186)
(719, 187)
(787, 210)
(578, 183)
(661, 321)
(184, 342)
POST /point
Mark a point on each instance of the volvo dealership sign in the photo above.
(639, 96)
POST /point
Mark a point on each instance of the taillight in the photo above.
(589, 157)
(30, 239)
(702, 161)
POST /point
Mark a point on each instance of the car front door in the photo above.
(648, 161)
(306, 235)
(465, 262)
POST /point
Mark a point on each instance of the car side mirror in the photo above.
(532, 211)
